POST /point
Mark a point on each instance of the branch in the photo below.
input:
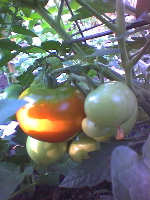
(60, 11)
(137, 57)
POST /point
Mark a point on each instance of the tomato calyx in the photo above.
(48, 79)
(120, 133)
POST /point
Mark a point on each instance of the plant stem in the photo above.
(60, 11)
(128, 80)
(22, 190)
(57, 27)
(97, 15)
(137, 57)
(121, 30)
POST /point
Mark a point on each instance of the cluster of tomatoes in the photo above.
(54, 119)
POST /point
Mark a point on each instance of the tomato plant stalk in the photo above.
(57, 27)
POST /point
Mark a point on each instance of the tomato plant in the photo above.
(80, 146)
(44, 152)
(52, 115)
(51, 40)
(110, 104)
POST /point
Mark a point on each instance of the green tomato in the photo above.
(110, 105)
(12, 92)
(80, 146)
(128, 125)
(105, 133)
(45, 153)
(103, 138)
(93, 130)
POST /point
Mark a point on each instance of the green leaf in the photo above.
(53, 9)
(4, 148)
(20, 150)
(10, 178)
(65, 167)
(49, 177)
(99, 5)
(9, 107)
(27, 77)
(6, 58)
(1, 20)
(135, 43)
(74, 5)
(8, 45)
(19, 137)
(54, 62)
(103, 52)
(22, 30)
(35, 16)
(26, 11)
(51, 45)
(4, 9)
(83, 14)
(92, 171)
(33, 49)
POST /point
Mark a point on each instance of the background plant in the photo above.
(36, 35)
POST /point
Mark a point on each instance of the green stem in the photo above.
(60, 11)
(120, 33)
(128, 73)
(57, 27)
(22, 190)
(97, 15)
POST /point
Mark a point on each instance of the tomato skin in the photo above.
(44, 152)
(80, 146)
(52, 115)
(110, 105)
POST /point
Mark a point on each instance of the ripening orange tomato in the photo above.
(51, 115)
